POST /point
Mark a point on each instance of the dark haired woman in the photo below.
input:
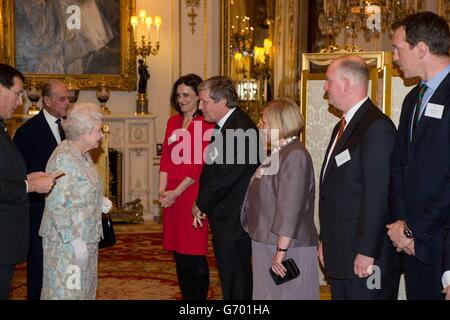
(181, 165)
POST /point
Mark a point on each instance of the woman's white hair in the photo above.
(81, 119)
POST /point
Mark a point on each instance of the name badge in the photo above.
(342, 158)
(434, 110)
(172, 139)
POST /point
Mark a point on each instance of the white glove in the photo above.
(106, 205)
(81, 252)
(446, 279)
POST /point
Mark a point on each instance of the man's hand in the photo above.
(363, 265)
(410, 248)
(198, 216)
(446, 291)
(34, 175)
(40, 182)
(320, 253)
(399, 240)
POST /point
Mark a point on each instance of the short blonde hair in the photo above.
(284, 115)
(81, 119)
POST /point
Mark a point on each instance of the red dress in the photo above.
(182, 156)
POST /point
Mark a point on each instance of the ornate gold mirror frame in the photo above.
(225, 38)
(123, 80)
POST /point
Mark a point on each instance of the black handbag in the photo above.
(292, 272)
(109, 237)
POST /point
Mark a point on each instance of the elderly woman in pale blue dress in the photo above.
(71, 226)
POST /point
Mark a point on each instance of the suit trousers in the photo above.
(193, 276)
(35, 253)
(358, 289)
(6, 275)
(234, 264)
(422, 281)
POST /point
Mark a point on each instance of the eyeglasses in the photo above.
(18, 94)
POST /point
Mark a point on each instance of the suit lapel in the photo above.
(216, 150)
(330, 144)
(45, 128)
(440, 96)
(342, 143)
(227, 123)
(9, 144)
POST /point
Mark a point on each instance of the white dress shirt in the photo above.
(221, 122)
(51, 120)
(348, 117)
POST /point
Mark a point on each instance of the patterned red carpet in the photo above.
(136, 268)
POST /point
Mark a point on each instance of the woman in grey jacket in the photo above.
(279, 207)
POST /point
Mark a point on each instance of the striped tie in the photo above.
(423, 87)
(341, 130)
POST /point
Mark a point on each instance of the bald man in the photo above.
(354, 182)
(36, 139)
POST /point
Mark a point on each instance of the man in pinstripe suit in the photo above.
(354, 183)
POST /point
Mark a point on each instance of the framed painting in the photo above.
(82, 42)
(444, 9)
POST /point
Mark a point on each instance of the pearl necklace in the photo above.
(285, 143)
(261, 170)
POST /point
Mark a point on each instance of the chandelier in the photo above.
(370, 17)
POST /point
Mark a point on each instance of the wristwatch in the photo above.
(407, 231)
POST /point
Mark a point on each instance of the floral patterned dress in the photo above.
(72, 210)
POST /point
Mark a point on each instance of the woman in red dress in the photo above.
(187, 135)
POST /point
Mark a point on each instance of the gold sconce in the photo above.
(144, 50)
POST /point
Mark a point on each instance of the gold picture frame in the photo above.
(121, 77)
(225, 38)
(444, 9)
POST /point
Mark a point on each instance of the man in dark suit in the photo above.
(353, 202)
(36, 139)
(420, 195)
(223, 184)
(14, 184)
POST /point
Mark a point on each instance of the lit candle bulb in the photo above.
(158, 22)
(134, 23)
(142, 15)
(148, 23)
